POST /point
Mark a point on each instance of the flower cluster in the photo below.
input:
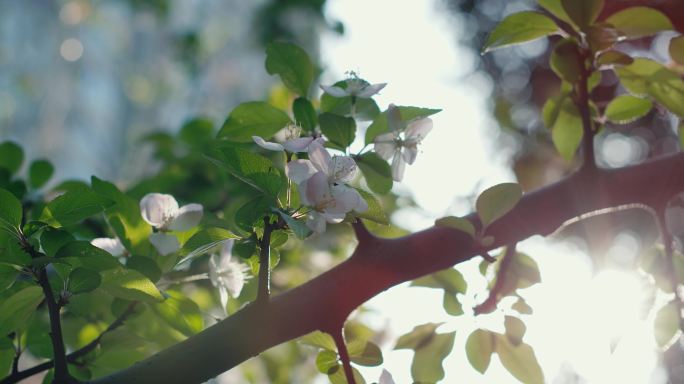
(354, 87)
(163, 213)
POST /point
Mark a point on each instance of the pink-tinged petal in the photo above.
(386, 378)
(113, 246)
(318, 189)
(187, 218)
(267, 144)
(299, 170)
(343, 169)
(371, 90)
(417, 130)
(409, 153)
(316, 222)
(158, 209)
(320, 157)
(394, 118)
(385, 145)
(298, 145)
(398, 168)
(345, 199)
(164, 243)
(334, 218)
(334, 91)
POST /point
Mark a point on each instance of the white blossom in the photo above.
(111, 245)
(227, 275)
(356, 87)
(401, 145)
(293, 142)
(386, 378)
(162, 212)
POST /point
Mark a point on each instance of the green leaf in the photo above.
(427, 361)
(418, 337)
(327, 362)
(613, 57)
(298, 227)
(76, 205)
(449, 279)
(252, 213)
(197, 131)
(204, 241)
(8, 276)
(626, 108)
(375, 212)
(666, 323)
(460, 223)
(364, 109)
(52, 239)
(304, 113)
(364, 353)
(556, 8)
(320, 340)
(130, 285)
(11, 156)
(376, 171)
(255, 118)
(565, 60)
(10, 211)
(479, 348)
(255, 170)
(379, 124)
(639, 21)
(522, 307)
(338, 129)
(560, 114)
(519, 360)
(292, 64)
(338, 377)
(515, 329)
(146, 266)
(519, 28)
(40, 172)
(82, 253)
(451, 304)
(496, 201)
(180, 312)
(647, 77)
(583, 12)
(83, 280)
(677, 49)
(16, 310)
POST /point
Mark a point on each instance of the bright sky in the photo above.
(412, 46)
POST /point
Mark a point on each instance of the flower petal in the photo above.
(233, 278)
(343, 169)
(317, 189)
(187, 218)
(386, 378)
(398, 168)
(334, 91)
(385, 145)
(370, 90)
(113, 246)
(214, 269)
(164, 243)
(418, 129)
(345, 199)
(267, 144)
(409, 153)
(320, 157)
(334, 218)
(226, 253)
(223, 297)
(298, 145)
(299, 170)
(158, 209)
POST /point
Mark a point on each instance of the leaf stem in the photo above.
(264, 289)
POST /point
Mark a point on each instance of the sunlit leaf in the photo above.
(626, 108)
(292, 64)
(556, 8)
(427, 361)
(565, 60)
(304, 113)
(496, 201)
(146, 266)
(613, 57)
(666, 323)
(327, 362)
(518, 28)
(479, 348)
(519, 360)
(339, 130)
(320, 340)
(419, 336)
(647, 77)
(75, 206)
(460, 223)
(130, 285)
(204, 241)
(10, 211)
(376, 171)
(82, 253)
(561, 115)
(16, 309)
(449, 279)
(338, 377)
(255, 118)
(379, 124)
(83, 280)
(451, 304)
(364, 353)
(583, 12)
(640, 21)
(375, 212)
(180, 312)
(515, 329)
(676, 49)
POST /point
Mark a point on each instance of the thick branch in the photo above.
(323, 301)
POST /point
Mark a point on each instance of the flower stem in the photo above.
(264, 289)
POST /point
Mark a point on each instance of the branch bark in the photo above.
(382, 263)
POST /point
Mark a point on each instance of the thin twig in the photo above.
(492, 300)
(338, 336)
(264, 289)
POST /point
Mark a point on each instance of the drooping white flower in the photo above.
(401, 145)
(162, 212)
(293, 142)
(227, 275)
(321, 181)
(356, 87)
(108, 244)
